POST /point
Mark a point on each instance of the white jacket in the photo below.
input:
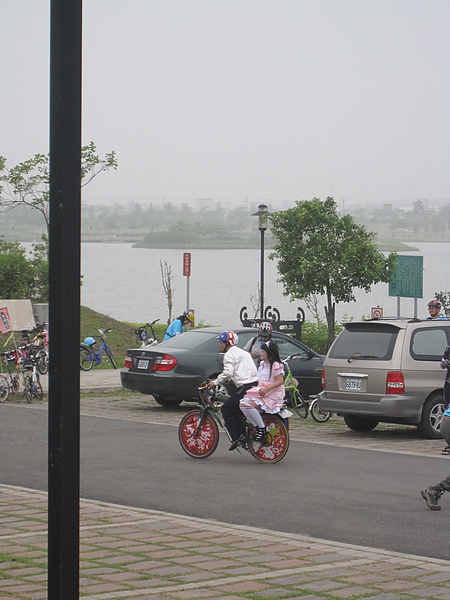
(238, 366)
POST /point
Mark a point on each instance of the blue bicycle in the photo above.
(90, 357)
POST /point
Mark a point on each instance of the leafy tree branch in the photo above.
(320, 252)
(27, 183)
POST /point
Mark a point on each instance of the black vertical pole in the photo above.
(64, 300)
(261, 312)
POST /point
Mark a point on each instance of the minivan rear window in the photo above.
(362, 342)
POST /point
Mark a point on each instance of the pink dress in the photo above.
(273, 401)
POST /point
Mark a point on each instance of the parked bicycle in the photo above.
(39, 346)
(10, 383)
(318, 415)
(198, 432)
(90, 357)
(32, 382)
(143, 337)
(292, 397)
(22, 374)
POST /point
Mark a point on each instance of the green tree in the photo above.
(444, 299)
(320, 252)
(27, 184)
(23, 276)
(15, 272)
(38, 262)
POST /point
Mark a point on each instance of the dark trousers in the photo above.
(446, 393)
(232, 413)
(444, 486)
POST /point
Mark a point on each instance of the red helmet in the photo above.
(434, 304)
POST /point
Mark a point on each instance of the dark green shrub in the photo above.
(315, 335)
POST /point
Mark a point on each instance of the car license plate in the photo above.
(353, 384)
(142, 364)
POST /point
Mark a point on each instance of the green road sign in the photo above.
(407, 281)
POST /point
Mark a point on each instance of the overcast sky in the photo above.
(272, 100)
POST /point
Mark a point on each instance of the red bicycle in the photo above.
(198, 432)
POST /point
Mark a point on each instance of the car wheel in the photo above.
(360, 423)
(168, 402)
(432, 414)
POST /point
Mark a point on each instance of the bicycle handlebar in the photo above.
(150, 324)
(290, 357)
(103, 331)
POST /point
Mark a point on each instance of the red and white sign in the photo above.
(377, 312)
(5, 321)
(187, 264)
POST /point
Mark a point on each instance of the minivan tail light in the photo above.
(128, 362)
(395, 383)
(324, 387)
(164, 363)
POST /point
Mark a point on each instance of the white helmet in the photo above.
(265, 328)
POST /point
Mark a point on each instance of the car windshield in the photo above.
(361, 342)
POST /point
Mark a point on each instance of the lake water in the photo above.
(125, 283)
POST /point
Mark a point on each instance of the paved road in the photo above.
(344, 494)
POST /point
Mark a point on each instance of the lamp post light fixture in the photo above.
(262, 215)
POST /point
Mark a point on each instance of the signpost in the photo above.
(376, 312)
(5, 321)
(187, 274)
(407, 280)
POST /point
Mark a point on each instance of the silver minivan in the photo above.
(388, 371)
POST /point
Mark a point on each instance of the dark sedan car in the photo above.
(173, 370)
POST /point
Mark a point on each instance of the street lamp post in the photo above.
(262, 215)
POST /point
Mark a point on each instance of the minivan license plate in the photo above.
(353, 384)
(142, 364)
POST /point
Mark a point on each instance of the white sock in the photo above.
(253, 415)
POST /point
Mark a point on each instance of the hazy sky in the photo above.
(230, 99)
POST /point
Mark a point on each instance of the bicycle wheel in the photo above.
(42, 362)
(277, 444)
(317, 414)
(204, 443)
(86, 361)
(294, 399)
(38, 392)
(4, 389)
(28, 387)
(109, 354)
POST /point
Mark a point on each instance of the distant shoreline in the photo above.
(249, 244)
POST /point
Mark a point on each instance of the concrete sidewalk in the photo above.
(95, 380)
(137, 554)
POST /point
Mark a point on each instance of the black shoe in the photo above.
(241, 440)
(260, 434)
(431, 497)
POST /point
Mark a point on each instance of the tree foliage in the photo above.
(27, 183)
(320, 252)
(444, 299)
(23, 276)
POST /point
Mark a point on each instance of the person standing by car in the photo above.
(434, 308)
(255, 343)
(433, 493)
(177, 326)
(445, 364)
(238, 368)
(268, 395)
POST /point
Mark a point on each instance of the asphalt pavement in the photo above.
(135, 553)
